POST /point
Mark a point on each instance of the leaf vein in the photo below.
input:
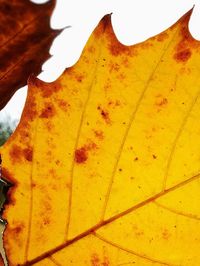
(130, 251)
(133, 115)
(187, 215)
(54, 261)
(174, 145)
(76, 146)
(31, 193)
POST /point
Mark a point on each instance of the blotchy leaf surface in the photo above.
(25, 41)
(105, 160)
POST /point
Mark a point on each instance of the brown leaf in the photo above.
(24, 41)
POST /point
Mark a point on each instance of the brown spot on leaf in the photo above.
(17, 153)
(162, 36)
(121, 76)
(49, 125)
(49, 153)
(48, 90)
(114, 67)
(95, 261)
(117, 49)
(105, 261)
(57, 162)
(24, 134)
(165, 234)
(17, 229)
(53, 174)
(15, 232)
(137, 231)
(114, 104)
(99, 134)
(107, 86)
(183, 56)
(104, 114)
(186, 44)
(33, 185)
(126, 62)
(48, 111)
(80, 78)
(46, 220)
(47, 205)
(63, 105)
(91, 49)
(28, 154)
(81, 155)
(91, 146)
(162, 101)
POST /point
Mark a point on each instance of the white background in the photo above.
(133, 21)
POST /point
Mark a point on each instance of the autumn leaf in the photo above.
(105, 160)
(25, 41)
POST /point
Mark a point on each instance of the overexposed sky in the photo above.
(133, 21)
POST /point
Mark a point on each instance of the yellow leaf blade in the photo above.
(106, 156)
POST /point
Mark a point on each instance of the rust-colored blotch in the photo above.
(48, 111)
(17, 153)
(104, 114)
(81, 155)
(99, 134)
(183, 56)
(97, 261)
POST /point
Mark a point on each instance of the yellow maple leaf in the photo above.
(105, 160)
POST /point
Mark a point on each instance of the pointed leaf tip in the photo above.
(25, 44)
